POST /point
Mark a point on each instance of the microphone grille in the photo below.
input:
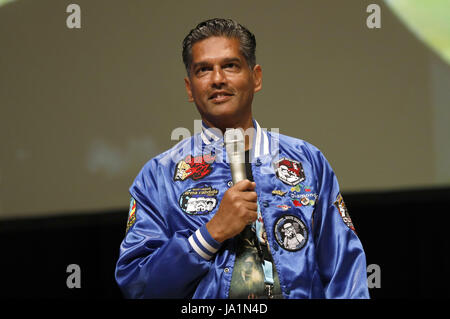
(233, 136)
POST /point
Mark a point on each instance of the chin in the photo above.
(224, 115)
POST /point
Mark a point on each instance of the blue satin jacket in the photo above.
(167, 251)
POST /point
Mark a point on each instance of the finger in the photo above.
(252, 216)
(251, 206)
(245, 185)
(249, 196)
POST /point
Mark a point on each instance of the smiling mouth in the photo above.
(220, 97)
(219, 94)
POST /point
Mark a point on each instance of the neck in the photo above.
(245, 124)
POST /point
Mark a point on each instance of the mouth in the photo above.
(220, 96)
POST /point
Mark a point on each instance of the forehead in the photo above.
(216, 48)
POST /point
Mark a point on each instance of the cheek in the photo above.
(246, 87)
(244, 92)
(197, 89)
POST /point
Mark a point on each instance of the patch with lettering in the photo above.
(131, 214)
(340, 205)
(290, 233)
(289, 171)
(302, 195)
(194, 167)
(199, 200)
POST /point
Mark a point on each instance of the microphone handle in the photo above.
(238, 172)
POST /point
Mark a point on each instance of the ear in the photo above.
(257, 78)
(187, 83)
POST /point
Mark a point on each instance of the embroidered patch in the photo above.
(199, 200)
(340, 205)
(290, 233)
(131, 214)
(289, 171)
(298, 188)
(308, 199)
(278, 192)
(194, 167)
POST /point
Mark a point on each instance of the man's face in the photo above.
(221, 83)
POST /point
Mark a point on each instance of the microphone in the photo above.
(235, 147)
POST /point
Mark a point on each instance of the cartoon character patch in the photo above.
(131, 214)
(289, 171)
(340, 205)
(199, 200)
(194, 167)
(291, 233)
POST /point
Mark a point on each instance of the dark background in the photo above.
(404, 232)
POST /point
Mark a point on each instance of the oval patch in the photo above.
(199, 200)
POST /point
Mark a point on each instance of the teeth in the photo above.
(219, 96)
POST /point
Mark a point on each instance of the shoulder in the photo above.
(311, 157)
(164, 162)
(293, 144)
(173, 155)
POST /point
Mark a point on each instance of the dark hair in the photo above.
(220, 27)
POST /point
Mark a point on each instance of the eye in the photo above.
(230, 65)
(202, 70)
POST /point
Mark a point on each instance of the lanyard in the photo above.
(266, 265)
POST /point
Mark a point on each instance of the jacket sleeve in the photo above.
(154, 261)
(340, 256)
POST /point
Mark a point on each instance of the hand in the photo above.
(237, 209)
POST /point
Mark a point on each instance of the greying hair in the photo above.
(220, 27)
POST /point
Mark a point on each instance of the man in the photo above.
(300, 251)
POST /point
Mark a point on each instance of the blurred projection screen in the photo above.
(84, 109)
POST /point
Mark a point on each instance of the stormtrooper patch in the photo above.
(131, 214)
(340, 205)
(194, 167)
(199, 200)
(289, 171)
(290, 232)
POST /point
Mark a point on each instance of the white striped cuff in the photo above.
(203, 244)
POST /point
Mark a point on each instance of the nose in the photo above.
(218, 77)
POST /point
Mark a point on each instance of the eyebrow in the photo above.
(226, 60)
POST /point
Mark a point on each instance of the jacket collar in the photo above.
(260, 145)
